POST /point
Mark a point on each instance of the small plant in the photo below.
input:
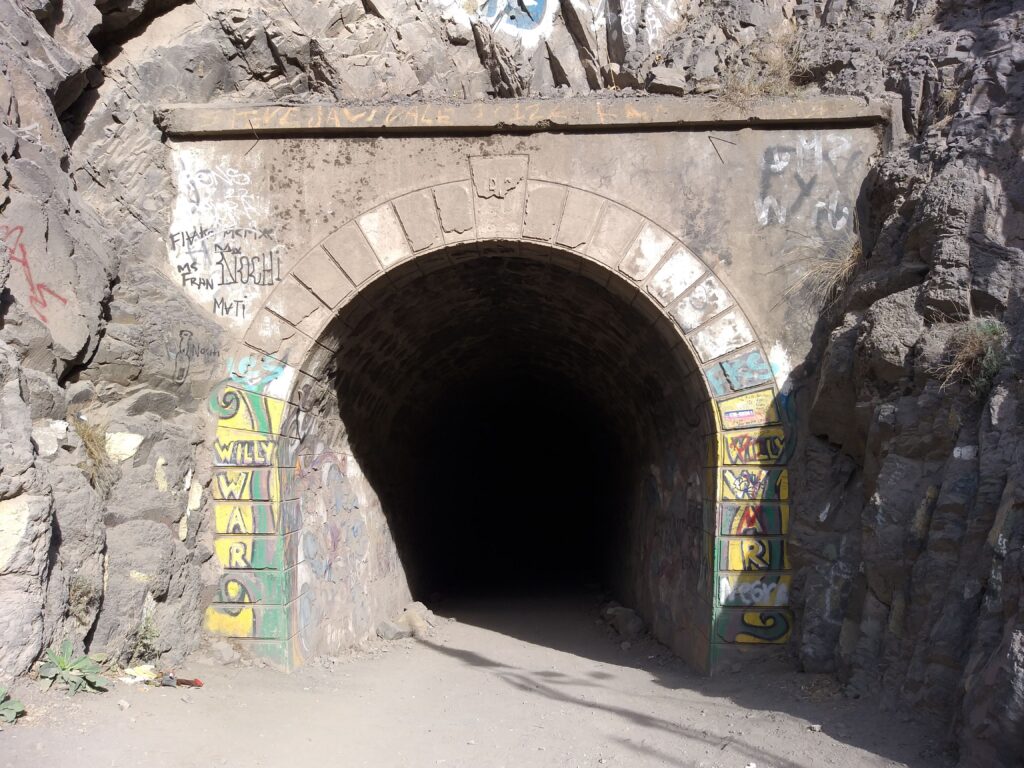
(145, 647)
(82, 598)
(76, 675)
(974, 354)
(10, 709)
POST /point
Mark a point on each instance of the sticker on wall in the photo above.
(752, 409)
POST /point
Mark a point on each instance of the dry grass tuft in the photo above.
(974, 354)
(833, 263)
(98, 468)
(778, 72)
(947, 100)
(82, 598)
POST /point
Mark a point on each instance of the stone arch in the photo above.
(264, 411)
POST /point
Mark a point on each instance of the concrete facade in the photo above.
(293, 237)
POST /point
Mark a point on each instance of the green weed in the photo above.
(74, 674)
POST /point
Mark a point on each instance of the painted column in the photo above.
(752, 569)
(256, 514)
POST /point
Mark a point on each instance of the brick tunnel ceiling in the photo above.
(506, 410)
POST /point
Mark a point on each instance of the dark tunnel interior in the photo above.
(526, 477)
(523, 424)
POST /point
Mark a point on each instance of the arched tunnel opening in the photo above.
(530, 426)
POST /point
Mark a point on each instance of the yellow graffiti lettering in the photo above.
(767, 627)
(754, 555)
(233, 551)
(750, 554)
(236, 556)
(234, 519)
(231, 484)
(245, 452)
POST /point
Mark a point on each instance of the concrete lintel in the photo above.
(508, 116)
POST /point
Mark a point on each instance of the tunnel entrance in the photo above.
(529, 429)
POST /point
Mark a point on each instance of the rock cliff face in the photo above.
(909, 526)
(909, 516)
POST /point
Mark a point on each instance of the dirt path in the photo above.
(537, 684)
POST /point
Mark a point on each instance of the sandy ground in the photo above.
(533, 684)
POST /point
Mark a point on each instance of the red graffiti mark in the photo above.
(19, 255)
(750, 521)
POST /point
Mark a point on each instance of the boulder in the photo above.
(392, 630)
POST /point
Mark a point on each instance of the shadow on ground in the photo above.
(571, 624)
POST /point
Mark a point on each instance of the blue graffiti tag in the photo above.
(736, 374)
(521, 14)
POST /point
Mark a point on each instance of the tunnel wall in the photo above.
(244, 207)
(308, 562)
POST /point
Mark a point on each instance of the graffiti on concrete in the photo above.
(658, 18)
(255, 372)
(753, 516)
(738, 625)
(746, 589)
(185, 350)
(514, 14)
(255, 518)
(749, 483)
(746, 370)
(807, 179)
(299, 548)
(759, 518)
(528, 20)
(766, 445)
(749, 554)
(220, 245)
(531, 20)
